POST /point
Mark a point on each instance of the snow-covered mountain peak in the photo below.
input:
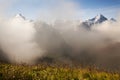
(98, 19)
(98, 16)
(19, 16)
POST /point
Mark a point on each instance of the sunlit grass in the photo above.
(53, 72)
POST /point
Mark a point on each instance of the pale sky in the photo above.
(85, 8)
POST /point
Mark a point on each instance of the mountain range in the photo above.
(96, 20)
(87, 24)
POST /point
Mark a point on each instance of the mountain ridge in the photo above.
(96, 20)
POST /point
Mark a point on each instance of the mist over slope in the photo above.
(17, 39)
(23, 41)
(65, 39)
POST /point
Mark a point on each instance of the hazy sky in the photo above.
(86, 8)
(93, 4)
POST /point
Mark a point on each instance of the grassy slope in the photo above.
(47, 72)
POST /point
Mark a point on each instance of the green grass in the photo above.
(53, 72)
